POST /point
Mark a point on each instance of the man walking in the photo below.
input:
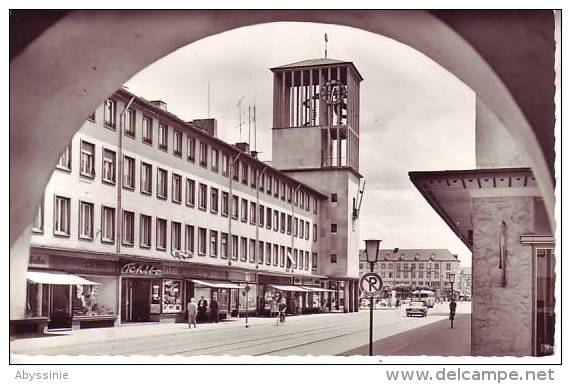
(214, 311)
(202, 305)
(192, 311)
(452, 311)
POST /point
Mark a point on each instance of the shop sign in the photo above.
(141, 269)
(172, 271)
(39, 261)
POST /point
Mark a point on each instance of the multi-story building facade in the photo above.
(145, 211)
(434, 269)
(464, 283)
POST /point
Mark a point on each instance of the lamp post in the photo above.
(372, 252)
(247, 289)
(452, 279)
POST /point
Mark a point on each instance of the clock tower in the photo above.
(315, 139)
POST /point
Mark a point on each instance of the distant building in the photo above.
(432, 269)
(464, 283)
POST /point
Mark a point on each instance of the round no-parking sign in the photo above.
(371, 283)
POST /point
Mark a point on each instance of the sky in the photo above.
(415, 115)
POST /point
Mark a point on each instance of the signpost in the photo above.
(371, 285)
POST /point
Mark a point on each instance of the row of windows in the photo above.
(432, 284)
(241, 208)
(413, 275)
(217, 161)
(241, 247)
(413, 266)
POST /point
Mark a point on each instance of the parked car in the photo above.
(416, 308)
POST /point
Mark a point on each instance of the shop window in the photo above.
(147, 130)
(64, 161)
(202, 241)
(161, 234)
(85, 220)
(128, 228)
(177, 143)
(146, 178)
(190, 191)
(213, 243)
(189, 239)
(107, 224)
(108, 172)
(110, 108)
(62, 206)
(162, 183)
(145, 229)
(130, 123)
(172, 296)
(191, 149)
(213, 200)
(175, 236)
(163, 136)
(87, 160)
(88, 300)
(225, 203)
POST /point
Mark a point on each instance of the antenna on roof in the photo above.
(208, 101)
(239, 105)
(326, 45)
(255, 138)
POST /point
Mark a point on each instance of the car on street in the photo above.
(416, 308)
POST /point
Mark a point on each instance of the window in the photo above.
(315, 205)
(146, 178)
(85, 220)
(145, 231)
(215, 160)
(282, 256)
(147, 130)
(162, 183)
(314, 261)
(190, 192)
(87, 166)
(176, 236)
(236, 170)
(161, 234)
(253, 213)
(307, 230)
(202, 241)
(282, 190)
(253, 177)
(61, 216)
(235, 207)
(306, 260)
(269, 185)
(202, 196)
(177, 143)
(38, 226)
(315, 233)
(244, 173)
(224, 245)
(252, 251)
(297, 262)
(65, 159)
(301, 229)
(295, 225)
(333, 228)
(213, 243)
(282, 222)
(213, 200)
(261, 216)
(109, 107)
(436, 265)
(191, 147)
(289, 192)
(262, 182)
(128, 237)
(244, 209)
(224, 164)
(243, 249)
(176, 188)
(333, 258)
(268, 254)
(224, 203)
(276, 187)
(130, 123)
(189, 238)
(203, 155)
(234, 247)
(276, 254)
(128, 172)
(163, 136)
(268, 218)
(276, 220)
(107, 225)
(333, 197)
(91, 116)
(448, 266)
(108, 173)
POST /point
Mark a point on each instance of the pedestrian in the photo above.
(214, 311)
(192, 311)
(202, 306)
(273, 307)
(452, 306)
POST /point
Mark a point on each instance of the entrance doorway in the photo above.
(135, 300)
(60, 313)
(544, 302)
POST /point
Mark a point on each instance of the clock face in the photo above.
(333, 92)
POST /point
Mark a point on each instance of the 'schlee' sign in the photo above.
(141, 269)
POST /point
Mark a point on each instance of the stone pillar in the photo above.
(19, 257)
(349, 290)
(502, 316)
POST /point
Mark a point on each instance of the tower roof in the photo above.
(317, 63)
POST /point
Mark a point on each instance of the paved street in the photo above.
(322, 334)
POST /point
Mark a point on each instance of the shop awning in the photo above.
(217, 284)
(57, 278)
(318, 289)
(289, 288)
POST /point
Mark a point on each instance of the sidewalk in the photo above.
(436, 339)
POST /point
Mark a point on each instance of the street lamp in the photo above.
(247, 289)
(452, 280)
(372, 252)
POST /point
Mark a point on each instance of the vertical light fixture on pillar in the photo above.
(372, 252)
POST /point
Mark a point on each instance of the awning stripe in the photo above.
(217, 284)
(289, 288)
(318, 289)
(57, 278)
